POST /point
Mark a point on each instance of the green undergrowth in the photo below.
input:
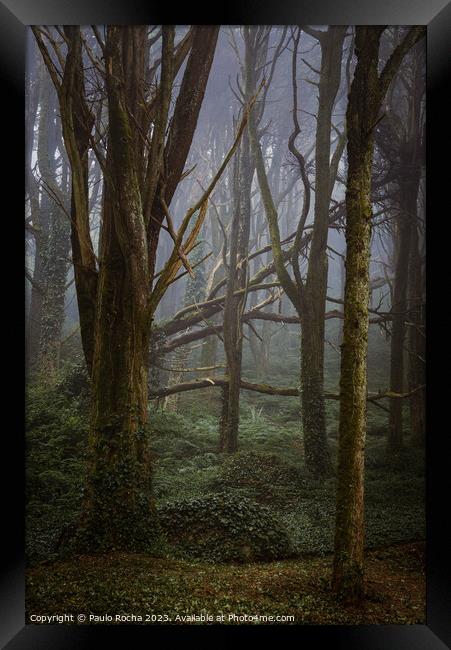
(56, 419)
(196, 487)
(225, 527)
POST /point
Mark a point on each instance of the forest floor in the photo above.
(249, 533)
(138, 584)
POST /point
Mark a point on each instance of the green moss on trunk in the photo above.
(363, 106)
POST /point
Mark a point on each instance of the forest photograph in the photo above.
(225, 315)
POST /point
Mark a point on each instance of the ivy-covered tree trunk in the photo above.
(56, 258)
(57, 266)
(179, 361)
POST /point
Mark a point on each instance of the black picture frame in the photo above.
(15, 15)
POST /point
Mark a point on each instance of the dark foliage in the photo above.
(226, 528)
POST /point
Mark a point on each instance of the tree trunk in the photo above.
(234, 305)
(416, 343)
(179, 361)
(238, 267)
(317, 457)
(209, 350)
(34, 296)
(41, 221)
(116, 301)
(314, 297)
(55, 291)
(56, 258)
(183, 125)
(157, 376)
(408, 269)
(76, 124)
(367, 92)
(408, 199)
(362, 111)
(118, 503)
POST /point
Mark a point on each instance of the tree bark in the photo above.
(76, 122)
(183, 126)
(416, 340)
(234, 304)
(364, 102)
(40, 212)
(313, 411)
(56, 256)
(407, 274)
(116, 301)
(408, 200)
(367, 92)
(416, 344)
(179, 362)
(238, 262)
(118, 504)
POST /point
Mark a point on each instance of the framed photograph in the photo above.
(229, 338)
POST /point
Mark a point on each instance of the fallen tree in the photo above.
(287, 391)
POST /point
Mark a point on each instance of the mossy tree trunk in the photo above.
(118, 501)
(115, 296)
(362, 111)
(367, 92)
